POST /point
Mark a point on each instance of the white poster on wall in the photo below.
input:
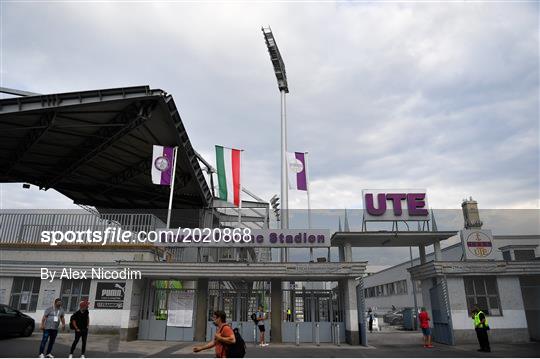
(180, 309)
(25, 297)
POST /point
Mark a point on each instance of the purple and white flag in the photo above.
(162, 165)
(297, 171)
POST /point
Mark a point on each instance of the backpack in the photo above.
(238, 349)
(254, 318)
(71, 326)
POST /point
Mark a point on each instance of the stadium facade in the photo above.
(95, 147)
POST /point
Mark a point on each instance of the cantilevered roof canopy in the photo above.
(389, 239)
(95, 147)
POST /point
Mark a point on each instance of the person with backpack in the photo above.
(79, 322)
(228, 343)
(261, 317)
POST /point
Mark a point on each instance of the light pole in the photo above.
(281, 75)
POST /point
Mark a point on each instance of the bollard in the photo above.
(337, 335)
(255, 334)
(297, 333)
(317, 338)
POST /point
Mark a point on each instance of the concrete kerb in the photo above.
(188, 349)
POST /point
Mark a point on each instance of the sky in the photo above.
(436, 95)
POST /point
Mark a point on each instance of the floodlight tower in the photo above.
(281, 75)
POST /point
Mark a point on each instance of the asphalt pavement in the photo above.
(402, 345)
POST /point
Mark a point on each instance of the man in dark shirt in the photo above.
(80, 321)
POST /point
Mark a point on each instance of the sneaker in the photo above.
(70, 356)
(41, 355)
(266, 344)
(82, 356)
(49, 356)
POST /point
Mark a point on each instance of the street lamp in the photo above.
(281, 75)
(274, 202)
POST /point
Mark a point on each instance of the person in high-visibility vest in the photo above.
(481, 327)
(289, 315)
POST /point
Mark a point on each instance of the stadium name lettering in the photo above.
(415, 203)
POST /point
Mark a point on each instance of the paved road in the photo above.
(404, 345)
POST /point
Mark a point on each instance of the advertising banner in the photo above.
(110, 295)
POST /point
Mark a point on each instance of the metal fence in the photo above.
(26, 226)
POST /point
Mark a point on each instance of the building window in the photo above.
(401, 287)
(524, 254)
(506, 256)
(483, 293)
(73, 292)
(25, 293)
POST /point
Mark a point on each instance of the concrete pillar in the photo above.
(422, 250)
(348, 252)
(276, 310)
(201, 310)
(437, 251)
(350, 308)
(341, 253)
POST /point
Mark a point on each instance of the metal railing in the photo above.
(26, 226)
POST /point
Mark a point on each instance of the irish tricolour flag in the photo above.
(228, 171)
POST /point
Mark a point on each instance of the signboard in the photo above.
(271, 238)
(478, 244)
(395, 205)
(110, 295)
(180, 308)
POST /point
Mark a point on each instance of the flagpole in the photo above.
(172, 189)
(240, 194)
(308, 201)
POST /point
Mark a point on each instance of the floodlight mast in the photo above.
(281, 76)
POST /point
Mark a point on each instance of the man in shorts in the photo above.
(261, 317)
(424, 319)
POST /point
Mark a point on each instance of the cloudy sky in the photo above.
(438, 95)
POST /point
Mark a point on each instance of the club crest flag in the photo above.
(297, 171)
(228, 172)
(162, 165)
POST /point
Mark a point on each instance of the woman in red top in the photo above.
(424, 319)
(224, 336)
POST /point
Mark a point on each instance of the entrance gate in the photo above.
(238, 301)
(167, 311)
(317, 317)
(442, 325)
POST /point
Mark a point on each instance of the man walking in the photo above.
(223, 337)
(79, 321)
(481, 327)
(424, 319)
(261, 317)
(49, 324)
(370, 320)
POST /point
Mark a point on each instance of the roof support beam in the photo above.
(110, 135)
(47, 121)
